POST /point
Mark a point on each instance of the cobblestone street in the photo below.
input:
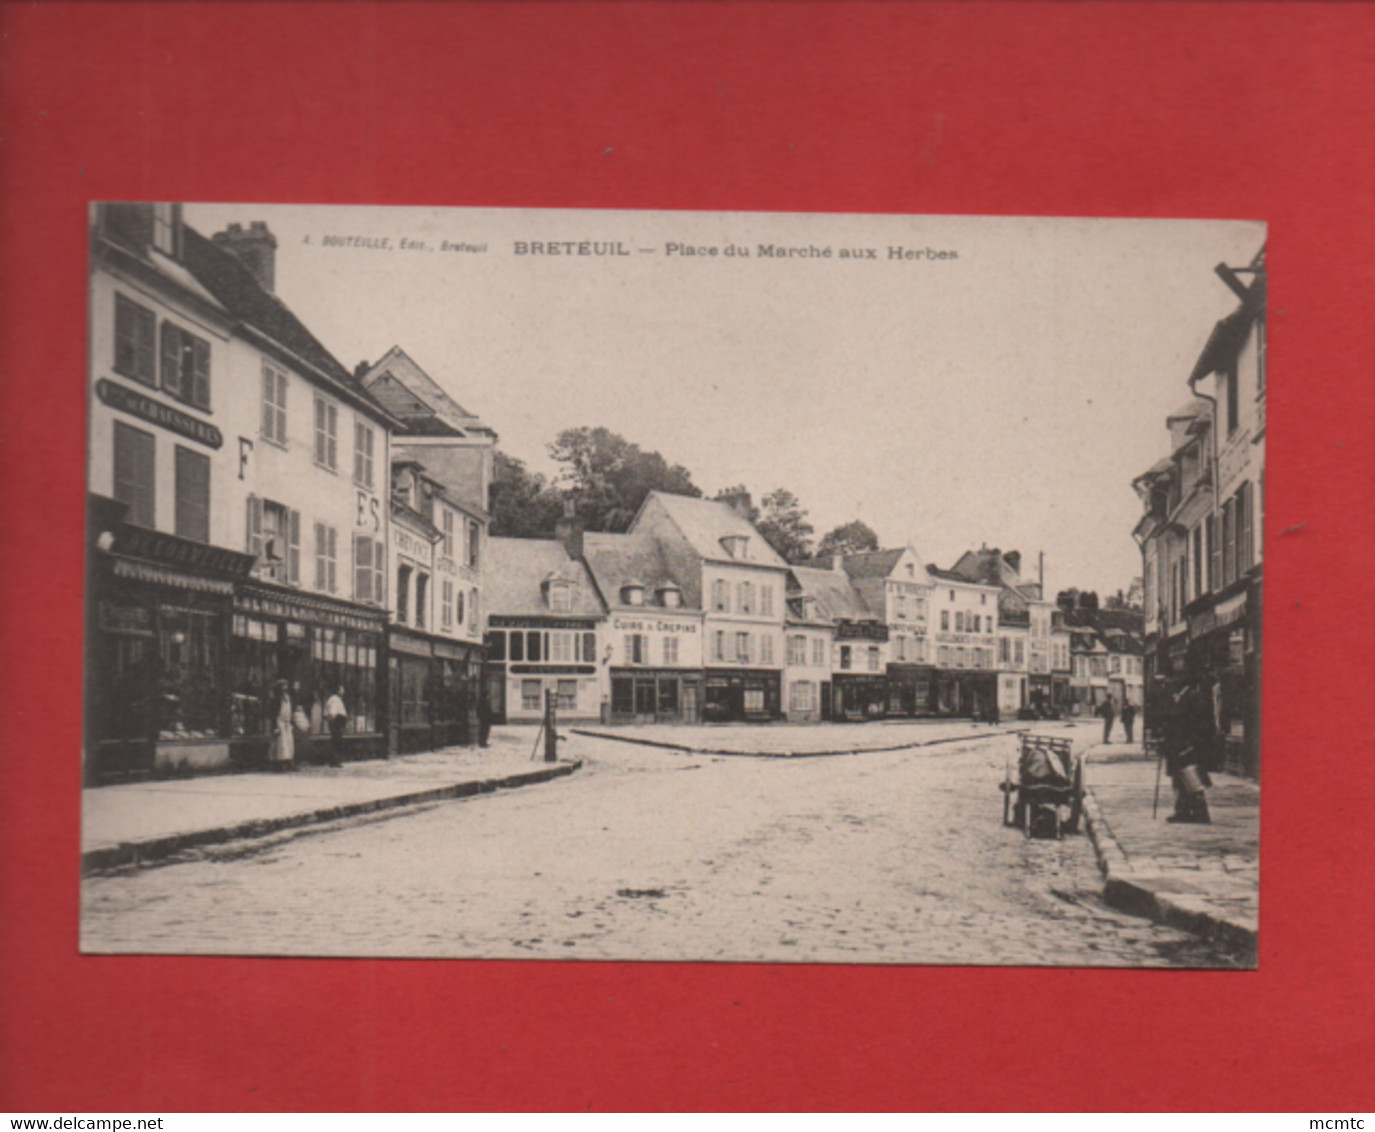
(881, 857)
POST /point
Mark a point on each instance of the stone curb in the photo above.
(687, 750)
(155, 848)
(1128, 892)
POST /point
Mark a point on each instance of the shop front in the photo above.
(1061, 698)
(1039, 694)
(742, 694)
(859, 696)
(530, 657)
(972, 694)
(911, 688)
(159, 611)
(1224, 657)
(656, 696)
(433, 686)
(318, 645)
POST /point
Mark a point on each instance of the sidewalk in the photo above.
(1201, 878)
(144, 821)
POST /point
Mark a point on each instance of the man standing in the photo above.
(335, 715)
(1128, 718)
(1109, 713)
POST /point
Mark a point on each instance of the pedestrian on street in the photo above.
(282, 755)
(336, 714)
(1128, 718)
(1109, 712)
(1182, 756)
(300, 723)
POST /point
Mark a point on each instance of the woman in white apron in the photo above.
(283, 745)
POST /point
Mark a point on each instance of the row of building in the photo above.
(1200, 531)
(259, 513)
(691, 616)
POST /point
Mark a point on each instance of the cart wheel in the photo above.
(1007, 793)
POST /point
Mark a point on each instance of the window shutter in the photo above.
(333, 563)
(1246, 545)
(255, 526)
(269, 389)
(171, 372)
(362, 569)
(321, 549)
(293, 554)
(379, 572)
(200, 376)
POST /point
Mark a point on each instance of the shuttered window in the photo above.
(274, 404)
(135, 473)
(193, 495)
(368, 565)
(135, 341)
(185, 365)
(326, 558)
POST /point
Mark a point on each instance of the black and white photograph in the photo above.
(673, 586)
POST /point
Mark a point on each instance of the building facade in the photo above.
(223, 514)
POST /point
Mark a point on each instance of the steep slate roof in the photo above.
(617, 561)
(953, 576)
(224, 275)
(414, 392)
(705, 522)
(836, 598)
(517, 569)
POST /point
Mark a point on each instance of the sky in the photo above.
(1005, 395)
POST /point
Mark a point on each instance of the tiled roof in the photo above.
(952, 576)
(617, 561)
(222, 274)
(835, 595)
(517, 570)
(705, 522)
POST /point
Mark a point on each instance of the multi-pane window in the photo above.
(943, 656)
(448, 532)
(873, 658)
(530, 695)
(446, 604)
(568, 695)
(803, 696)
(326, 558)
(720, 596)
(959, 621)
(403, 592)
(135, 341)
(845, 656)
(326, 434)
(135, 482)
(274, 404)
(718, 645)
(746, 597)
(766, 601)
(797, 650)
(636, 648)
(193, 494)
(561, 597)
(165, 228)
(369, 564)
(185, 365)
(474, 556)
(670, 651)
(742, 648)
(945, 620)
(362, 454)
(561, 648)
(765, 649)
(819, 651)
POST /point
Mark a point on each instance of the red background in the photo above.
(1194, 109)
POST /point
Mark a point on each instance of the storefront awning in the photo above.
(137, 571)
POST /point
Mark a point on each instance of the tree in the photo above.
(608, 477)
(524, 504)
(783, 523)
(853, 537)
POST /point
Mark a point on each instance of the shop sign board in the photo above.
(150, 409)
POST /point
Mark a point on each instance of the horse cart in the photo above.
(1046, 799)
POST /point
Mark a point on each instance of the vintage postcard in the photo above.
(673, 586)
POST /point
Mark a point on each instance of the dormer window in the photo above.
(670, 596)
(165, 228)
(560, 597)
(633, 593)
(736, 545)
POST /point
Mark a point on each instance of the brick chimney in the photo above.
(256, 249)
(569, 531)
(1014, 559)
